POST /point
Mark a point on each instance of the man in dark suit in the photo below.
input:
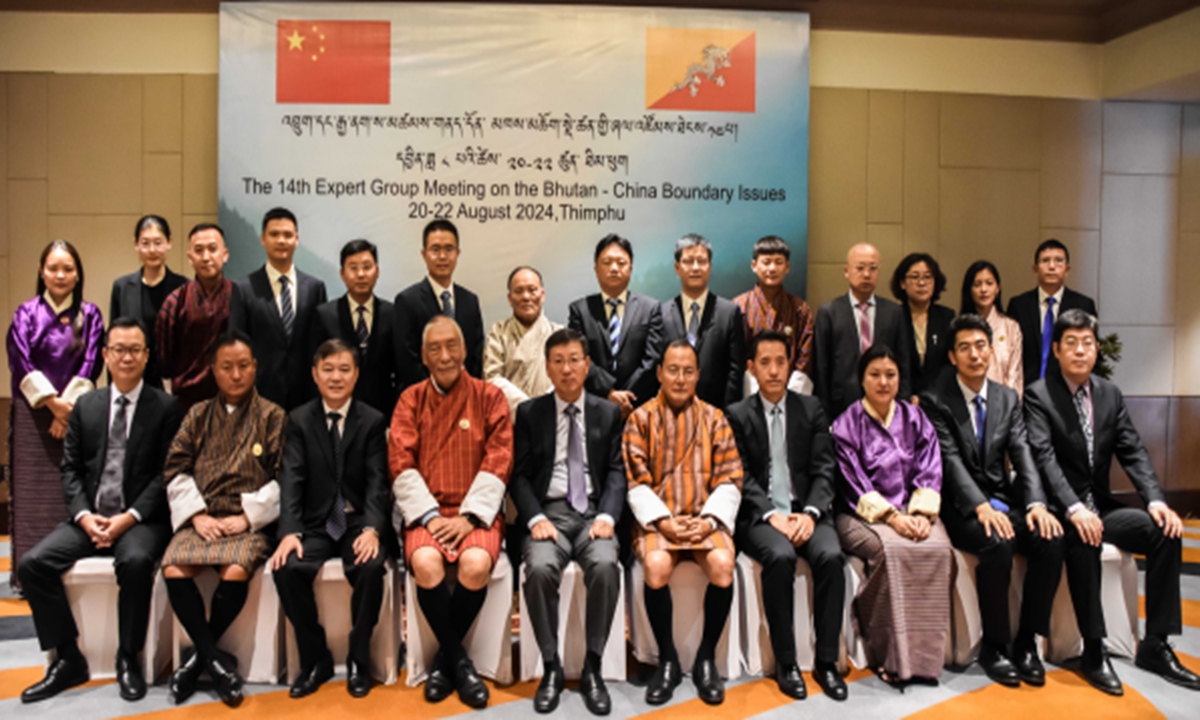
(365, 322)
(1035, 311)
(568, 484)
(713, 325)
(436, 294)
(334, 502)
(1077, 423)
(849, 324)
(113, 454)
(274, 305)
(624, 330)
(787, 511)
(980, 423)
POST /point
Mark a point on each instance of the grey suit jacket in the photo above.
(720, 346)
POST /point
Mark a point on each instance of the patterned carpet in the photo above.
(960, 694)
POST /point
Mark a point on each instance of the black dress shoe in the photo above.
(830, 680)
(709, 685)
(226, 681)
(129, 678)
(1156, 656)
(790, 681)
(595, 693)
(470, 687)
(438, 684)
(358, 678)
(1029, 666)
(1100, 674)
(662, 685)
(551, 686)
(998, 667)
(311, 679)
(61, 675)
(182, 684)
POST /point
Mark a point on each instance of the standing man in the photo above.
(364, 322)
(624, 330)
(685, 479)
(849, 324)
(334, 502)
(113, 454)
(450, 452)
(514, 358)
(436, 294)
(569, 488)
(981, 424)
(274, 305)
(712, 325)
(1077, 423)
(192, 316)
(1035, 311)
(769, 307)
(787, 511)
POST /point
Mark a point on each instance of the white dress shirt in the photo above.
(1043, 307)
(368, 315)
(768, 408)
(557, 489)
(132, 396)
(439, 289)
(858, 315)
(273, 276)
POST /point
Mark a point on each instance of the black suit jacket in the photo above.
(284, 363)
(969, 480)
(811, 460)
(720, 345)
(415, 306)
(377, 367)
(937, 345)
(310, 479)
(1025, 310)
(638, 349)
(835, 359)
(535, 435)
(155, 421)
(1060, 449)
(126, 301)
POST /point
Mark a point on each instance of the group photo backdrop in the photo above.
(535, 129)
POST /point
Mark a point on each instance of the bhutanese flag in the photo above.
(333, 61)
(698, 69)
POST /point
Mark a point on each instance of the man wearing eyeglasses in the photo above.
(1035, 311)
(113, 455)
(568, 484)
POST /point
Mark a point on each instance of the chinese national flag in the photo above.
(333, 61)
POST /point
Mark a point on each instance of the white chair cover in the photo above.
(966, 622)
(572, 643)
(255, 638)
(1119, 596)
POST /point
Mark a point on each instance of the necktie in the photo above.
(363, 334)
(694, 324)
(335, 524)
(614, 329)
(864, 327)
(288, 313)
(1085, 422)
(781, 494)
(109, 500)
(447, 304)
(980, 422)
(576, 482)
(1047, 335)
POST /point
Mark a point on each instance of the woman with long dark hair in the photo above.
(917, 283)
(981, 296)
(54, 357)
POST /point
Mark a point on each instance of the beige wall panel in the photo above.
(27, 126)
(981, 131)
(885, 158)
(28, 235)
(3, 167)
(921, 172)
(825, 282)
(6, 312)
(1141, 138)
(162, 113)
(838, 171)
(1147, 358)
(1189, 180)
(889, 239)
(200, 144)
(162, 194)
(104, 244)
(1138, 237)
(95, 163)
(1084, 246)
(1071, 163)
(1187, 316)
(989, 215)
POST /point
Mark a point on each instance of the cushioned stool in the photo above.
(255, 638)
(966, 622)
(1118, 595)
(572, 619)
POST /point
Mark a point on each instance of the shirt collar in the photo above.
(58, 309)
(1074, 388)
(768, 406)
(369, 305)
(439, 289)
(344, 410)
(560, 405)
(623, 297)
(132, 395)
(886, 422)
(687, 303)
(273, 275)
(968, 393)
(1058, 296)
(854, 300)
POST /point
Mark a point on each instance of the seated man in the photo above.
(117, 439)
(685, 498)
(450, 452)
(568, 485)
(1077, 423)
(787, 512)
(223, 494)
(334, 502)
(513, 354)
(980, 424)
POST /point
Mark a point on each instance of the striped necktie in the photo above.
(287, 312)
(363, 334)
(614, 329)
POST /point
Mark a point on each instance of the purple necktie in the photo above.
(576, 482)
(864, 327)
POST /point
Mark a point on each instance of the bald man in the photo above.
(849, 324)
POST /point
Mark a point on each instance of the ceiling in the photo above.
(1092, 21)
